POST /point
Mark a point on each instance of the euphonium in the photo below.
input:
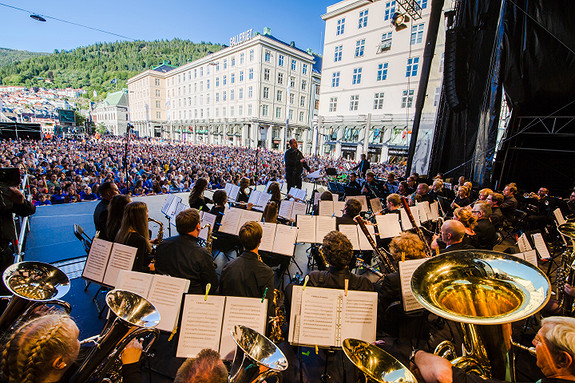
(131, 317)
(565, 273)
(33, 284)
(257, 358)
(485, 291)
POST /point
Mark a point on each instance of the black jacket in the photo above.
(293, 163)
(100, 218)
(457, 246)
(485, 234)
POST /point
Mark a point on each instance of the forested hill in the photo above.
(9, 56)
(96, 66)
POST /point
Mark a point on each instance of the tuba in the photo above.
(485, 291)
(257, 358)
(33, 284)
(376, 364)
(131, 317)
(566, 271)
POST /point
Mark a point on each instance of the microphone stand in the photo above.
(129, 127)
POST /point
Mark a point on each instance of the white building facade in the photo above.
(112, 113)
(370, 78)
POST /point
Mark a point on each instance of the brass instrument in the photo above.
(386, 263)
(417, 229)
(277, 321)
(565, 273)
(33, 284)
(484, 291)
(209, 238)
(376, 364)
(131, 317)
(160, 235)
(257, 358)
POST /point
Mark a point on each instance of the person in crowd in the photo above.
(58, 197)
(469, 221)
(462, 199)
(371, 187)
(243, 195)
(115, 215)
(353, 186)
(509, 204)
(363, 165)
(107, 190)
(197, 200)
(134, 232)
(87, 195)
(206, 367)
(391, 184)
(351, 210)
(294, 165)
(495, 200)
(452, 233)
(485, 232)
(484, 193)
(42, 200)
(181, 256)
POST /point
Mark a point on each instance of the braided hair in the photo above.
(31, 349)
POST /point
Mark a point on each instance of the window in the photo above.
(159, 115)
(416, 34)
(280, 78)
(249, 109)
(241, 75)
(362, 19)
(356, 76)
(292, 81)
(217, 112)
(224, 80)
(378, 101)
(251, 74)
(359, 47)
(304, 69)
(303, 84)
(231, 111)
(240, 110)
(279, 95)
(266, 92)
(224, 98)
(281, 60)
(217, 82)
(232, 78)
(233, 61)
(301, 116)
(265, 110)
(291, 114)
(412, 66)
(232, 94)
(251, 55)
(250, 91)
(224, 111)
(201, 71)
(267, 56)
(385, 44)
(389, 10)
(291, 98)
(208, 84)
(201, 86)
(217, 67)
(406, 98)
(338, 51)
(241, 58)
(333, 104)
(266, 74)
(293, 63)
(157, 104)
(225, 63)
(207, 99)
(335, 80)
(157, 93)
(195, 74)
(422, 3)
(278, 112)
(241, 93)
(382, 72)
(302, 101)
(217, 97)
(353, 102)
(340, 26)
(157, 81)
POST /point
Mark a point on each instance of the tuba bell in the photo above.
(485, 291)
(565, 273)
(32, 284)
(257, 358)
(131, 317)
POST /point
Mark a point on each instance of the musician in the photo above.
(107, 190)
(275, 191)
(244, 185)
(421, 194)
(466, 217)
(509, 204)
(294, 163)
(495, 200)
(371, 187)
(182, 257)
(571, 204)
(393, 205)
(353, 186)
(391, 184)
(223, 242)
(363, 165)
(247, 275)
(411, 184)
(325, 196)
(196, 199)
(437, 190)
(484, 193)
(485, 232)
(134, 232)
(452, 233)
(351, 210)
(554, 347)
(115, 214)
(462, 198)
(541, 212)
(403, 189)
(207, 367)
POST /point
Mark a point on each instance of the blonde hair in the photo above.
(407, 245)
(465, 216)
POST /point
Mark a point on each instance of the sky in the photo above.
(213, 21)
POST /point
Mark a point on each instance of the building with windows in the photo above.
(371, 72)
(112, 112)
(242, 95)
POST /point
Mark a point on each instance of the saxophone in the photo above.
(156, 242)
(209, 238)
(565, 273)
(277, 321)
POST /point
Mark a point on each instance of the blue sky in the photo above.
(215, 21)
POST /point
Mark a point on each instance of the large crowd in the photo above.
(65, 171)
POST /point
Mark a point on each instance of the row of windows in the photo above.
(224, 112)
(406, 101)
(281, 58)
(382, 71)
(232, 94)
(279, 112)
(280, 79)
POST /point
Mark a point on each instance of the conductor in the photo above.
(295, 163)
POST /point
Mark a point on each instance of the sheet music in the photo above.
(363, 241)
(323, 226)
(335, 197)
(388, 225)
(306, 228)
(350, 231)
(316, 197)
(249, 312)
(121, 258)
(531, 257)
(559, 216)
(405, 222)
(434, 210)
(263, 200)
(230, 221)
(207, 218)
(166, 295)
(315, 174)
(166, 208)
(97, 260)
(232, 191)
(255, 196)
(326, 208)
(362, 200)
(179, 207)
(285, 240)
(541, 246)
(523, 243)
(375, 204)
(248, 215)
(318, 317)
(359, 316)
(298, 208)
(297, 193)
(406, 269)
(285, 209)
(424, 211)
(201, 325)
(135, 282)
(268, 236)
(338, 207)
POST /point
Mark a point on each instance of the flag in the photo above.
(113, 81)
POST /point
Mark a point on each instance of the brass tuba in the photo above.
(131, 317)
(485, 291)
(375, 363)
(566, 271)
(257, 358)
(33, 284)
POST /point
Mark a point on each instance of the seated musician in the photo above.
(325, 196)
(275, 191)
(421, 194)
(452, 233)
(353, 187)
(351, 210)
(371, 187)
(134, 232)
(485, 233)
(207, 367)
(197, 200)
(393, 204)
(246, 275)
(243, 195)
(270, 215)
(509, 204)
(495, 200)
(554, 348)
(484, 193)
(462, 199)
(403, 189)
(223, 242)
(391, 184)
(437, 190)
(469, 221)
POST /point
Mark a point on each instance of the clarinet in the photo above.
(417, 229)
(386, 262)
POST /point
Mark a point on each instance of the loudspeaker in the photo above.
(454, 74)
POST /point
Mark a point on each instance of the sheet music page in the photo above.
(338, 207)
(405, 222)
(235, 190)
(230, 221)
(319, 316)
(248, 215)
(254, 197)
(285, 209)
(97, 260)
(326, 208)
(335, 197)
(121, 258)
(323, 226)
(541, 246)
(359, 316)
(249, 312)
(268, 236)
(375, 204)
(295, 315)
(207, 218)
(316, 197)
(406, 269)
(286, 237)
(424, 211)
(201, 325)
(306, 228)
(167, 204)
(135, 282)
(263, 200)
(434, 210)
(559, 216)
(531, 257)
(523, 243)
(179, 207)
(362, 199)
(388, 225)
(166, 294)
(363, 242)
(298, 208)
(350, 231)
